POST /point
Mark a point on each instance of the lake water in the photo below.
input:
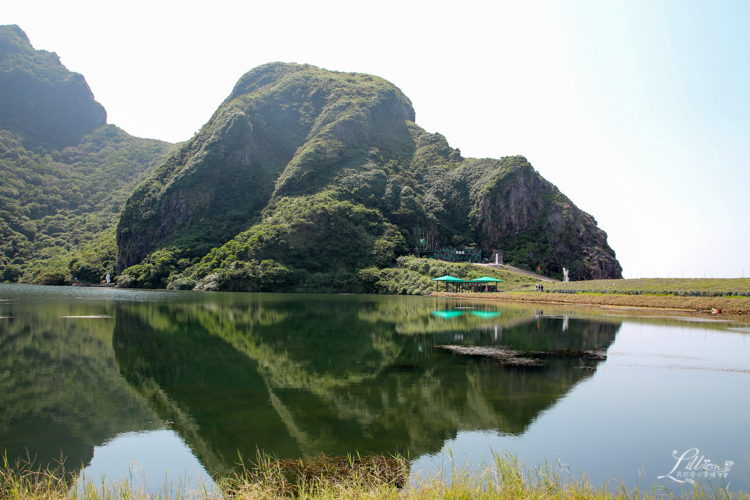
(180, 385)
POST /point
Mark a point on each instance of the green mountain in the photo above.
(303, 180)
(304, 177)
(41, 98)
(64, 173)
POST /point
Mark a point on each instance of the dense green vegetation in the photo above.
(63, 176)
(294, 152)
(412, 276)
(270, 139)
(241, 265)
(303, 179)
(244, 263)
(58, 209)
(322, 241)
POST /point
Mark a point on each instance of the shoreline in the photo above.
(724, 306)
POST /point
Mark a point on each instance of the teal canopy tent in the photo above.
(448, 279)
(484, 280)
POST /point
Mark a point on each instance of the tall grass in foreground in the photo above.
(348, 477)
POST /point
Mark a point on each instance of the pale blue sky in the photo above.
(637, 110)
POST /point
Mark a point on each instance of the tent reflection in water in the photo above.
(448, 279)
(447, 314)
(486, 314)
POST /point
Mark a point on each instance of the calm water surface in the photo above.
(148, 385)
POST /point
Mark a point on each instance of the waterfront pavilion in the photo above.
(448, 279)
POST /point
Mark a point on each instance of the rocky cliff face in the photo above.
(530, 219)
(332, 142)
(506, 205)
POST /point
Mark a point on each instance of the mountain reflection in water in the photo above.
(296, 378)
(289, 375)
(61, 392)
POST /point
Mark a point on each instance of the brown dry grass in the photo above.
(727, 305)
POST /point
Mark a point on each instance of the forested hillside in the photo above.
(64, 173)
(305, 177)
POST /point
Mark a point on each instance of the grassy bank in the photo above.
(682, 287)
(727, 305)
(361, 478)
(730, 296)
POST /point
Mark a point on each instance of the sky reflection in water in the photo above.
(183, 382)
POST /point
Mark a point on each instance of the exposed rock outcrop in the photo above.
(532, 220)
(296, 131)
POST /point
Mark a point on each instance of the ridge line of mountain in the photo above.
(303, 179)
